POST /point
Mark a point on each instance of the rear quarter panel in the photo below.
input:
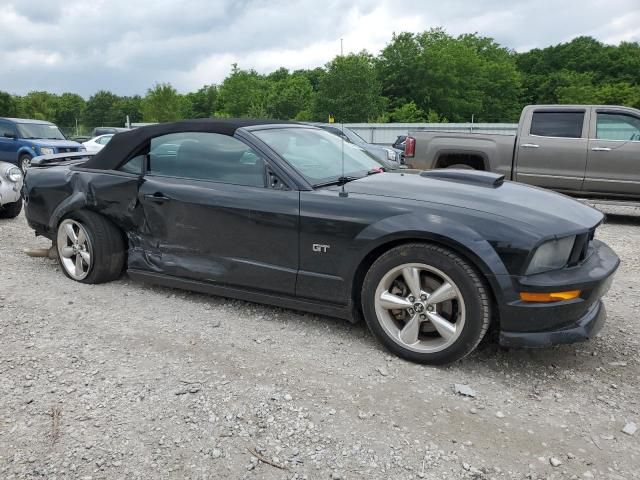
(53, 192)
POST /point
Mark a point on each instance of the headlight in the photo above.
(82, 149)
(551, 255)
(391, 154)
(14, 174)
(46, 151)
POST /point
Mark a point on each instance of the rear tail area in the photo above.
(61, 159)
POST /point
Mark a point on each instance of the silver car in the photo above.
(10, 187)
(384, 154)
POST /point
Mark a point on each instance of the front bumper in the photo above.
(526, 324)
(584, 329)
(9, 191)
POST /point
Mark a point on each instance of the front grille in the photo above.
(67, 149)
(581, 247)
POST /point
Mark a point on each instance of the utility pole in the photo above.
(341, 47)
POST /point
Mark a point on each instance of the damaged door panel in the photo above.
(215, 232)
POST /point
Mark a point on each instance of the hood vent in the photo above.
(471, 177)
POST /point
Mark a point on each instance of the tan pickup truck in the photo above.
(583, 150)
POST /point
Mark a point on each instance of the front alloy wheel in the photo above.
(25, 163)
(426, 303)
(420, 307)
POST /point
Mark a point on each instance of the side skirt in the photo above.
(330, 310)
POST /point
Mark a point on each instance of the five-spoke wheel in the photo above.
(91, 249)
(426, 303)
(421, 307)
(74, 248)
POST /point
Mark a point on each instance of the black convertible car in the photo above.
(291, 215)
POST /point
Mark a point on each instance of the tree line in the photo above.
(430, 76)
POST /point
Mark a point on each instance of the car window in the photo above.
(617, 126)
(104, 140)
(206, 156)
(134, 165)
(317, 154)
(557, 124)
(6, 128)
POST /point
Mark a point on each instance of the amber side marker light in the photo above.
(549, 297)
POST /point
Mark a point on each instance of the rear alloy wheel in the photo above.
(425, 303)
(25, 163)
(90, 248)
(74, 248)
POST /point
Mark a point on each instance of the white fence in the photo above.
(386, 133)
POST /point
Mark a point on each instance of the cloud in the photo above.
(126, 46)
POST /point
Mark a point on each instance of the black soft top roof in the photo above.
(124, 144)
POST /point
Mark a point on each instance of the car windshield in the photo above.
(317, 154)
(353, 136)
(40, 130)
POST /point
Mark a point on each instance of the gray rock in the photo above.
(463, 389)
(216, 453)
(555, 462)
(630, 428)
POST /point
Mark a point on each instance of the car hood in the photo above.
(43, 142)
(538, 210)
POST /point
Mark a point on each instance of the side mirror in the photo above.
(10, 135)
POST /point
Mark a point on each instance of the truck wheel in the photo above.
(425, 303)
(11, 210)
(91, 249)
(24, 162)
(461, 166)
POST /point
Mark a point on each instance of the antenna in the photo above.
(343, 180)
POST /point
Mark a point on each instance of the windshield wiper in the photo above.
(337, 181)
(345, 180)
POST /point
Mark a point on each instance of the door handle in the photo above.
(530, 145)
(600, 149)
(156, 197)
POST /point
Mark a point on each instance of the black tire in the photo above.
(108, 248)
(461, 166)
(11, 210)
(25, 158)
(470, 283)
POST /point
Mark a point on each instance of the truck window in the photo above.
(557, 124)
(617, 126)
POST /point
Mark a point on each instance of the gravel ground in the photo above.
(125, 380)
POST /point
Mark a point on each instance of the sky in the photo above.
(126, 46)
